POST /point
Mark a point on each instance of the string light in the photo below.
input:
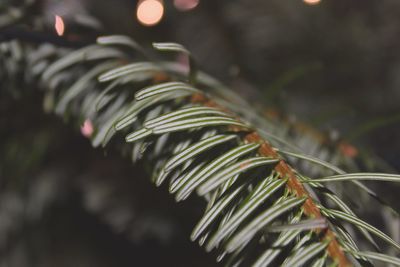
(59, 25)
(185, 5)
(149, 12)
(312, 2)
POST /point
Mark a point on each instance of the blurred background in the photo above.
(331, 66)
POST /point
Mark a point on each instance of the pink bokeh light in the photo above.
(59, 25)
(87, 128)
(185, 5)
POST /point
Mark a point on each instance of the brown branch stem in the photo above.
(293, 185)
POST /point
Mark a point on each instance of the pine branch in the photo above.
(204, 139)
(293, 184)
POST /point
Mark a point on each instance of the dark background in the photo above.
(334, 66)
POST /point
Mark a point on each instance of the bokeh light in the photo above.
(150, 12)
(185, 5)
(348, 150)
(312, 2)
(59, 25)
(87, 128)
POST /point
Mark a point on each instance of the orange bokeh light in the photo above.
(150, 12)
(59, 25)
(312, 2)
